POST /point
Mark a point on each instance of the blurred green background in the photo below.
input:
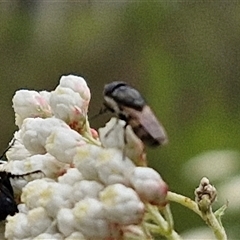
(184, 56)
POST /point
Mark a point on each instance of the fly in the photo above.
(129, 105)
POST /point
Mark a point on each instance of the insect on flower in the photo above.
(128, 104)
(8, 206)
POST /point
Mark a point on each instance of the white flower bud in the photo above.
(38, 221)
(35, 131)
(17, 227)
(62, 144)
(77, 84)
(48, 194)
(85, 189)
(65, 221)
(113, 167)
(112, 135)
(116, 135)
(45, 163)
(105, 164)
(70, 101)
(71, 177)
(122, 205)
(85, 161)
(149, 185)
(90, 220)
(30, 104)
(17, 150)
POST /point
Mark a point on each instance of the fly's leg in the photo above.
(5, 151)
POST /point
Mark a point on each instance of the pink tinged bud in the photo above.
(30, 104)
(94, 133)
(67, 105)
(70, 101)
(149, 185)
(122, 205)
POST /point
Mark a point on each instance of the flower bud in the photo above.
(30, 104)
(62, 144)
(90, 219)
(48, 194)
(70, 101)
(122, 205)
(205, 195)
(35, 131)
(149, 185)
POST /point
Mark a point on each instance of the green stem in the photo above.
(165, 229)
(208, 216)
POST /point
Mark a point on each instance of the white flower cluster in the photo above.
(91, 189)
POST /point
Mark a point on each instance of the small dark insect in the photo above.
(128, 104)
(8, 206)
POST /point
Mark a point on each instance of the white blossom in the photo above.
(17, 150)
(90, 219)
(71, 177)
(70, 101)
(62, 144)
(22, 226)
(149, 185)
(86, 188)
(90, 189)
(35, 131)
(77, 84)
(30, 104)
(65, 221)
(122, 205)
(48, 194)
(116, 134)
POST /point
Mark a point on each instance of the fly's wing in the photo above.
(153, 126)
(149, 129)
